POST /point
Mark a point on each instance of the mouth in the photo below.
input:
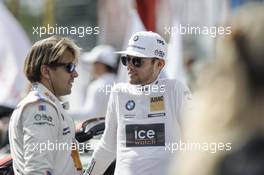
(71, 82)
(132, 74)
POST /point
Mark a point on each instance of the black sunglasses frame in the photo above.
(136, 61)
(69, 67)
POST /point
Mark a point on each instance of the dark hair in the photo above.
(254, 67)
(110, 69)
(248, 160)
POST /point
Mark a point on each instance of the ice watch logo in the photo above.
(130, 105)
(144, 134)
(139, 135)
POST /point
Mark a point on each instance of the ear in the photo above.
(161, 63)
(44, 72)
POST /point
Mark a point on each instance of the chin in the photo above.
(66, 93)
(134, 82)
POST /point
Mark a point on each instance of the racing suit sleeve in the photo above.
(105, 153)
(40, 128)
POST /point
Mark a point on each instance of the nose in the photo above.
(75, 74)
(130, 66)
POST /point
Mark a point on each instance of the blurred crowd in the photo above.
(225, 74)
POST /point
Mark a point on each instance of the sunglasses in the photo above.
(69, 67)
(136, 61)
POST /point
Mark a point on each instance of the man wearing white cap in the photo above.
(143, 116)
(103, 61)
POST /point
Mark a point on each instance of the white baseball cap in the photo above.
(102, 54)
(146, 44)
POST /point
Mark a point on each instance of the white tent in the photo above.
(14, 46)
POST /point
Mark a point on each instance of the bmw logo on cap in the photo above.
(130, 105)
(135, 38)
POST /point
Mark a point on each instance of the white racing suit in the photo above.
(41, 135)
(141, 124)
